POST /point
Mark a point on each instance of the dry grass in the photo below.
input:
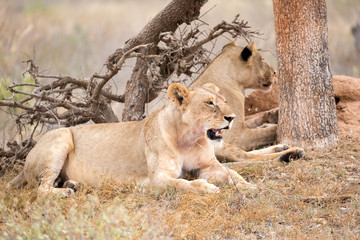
(75, 39)
(150, 213)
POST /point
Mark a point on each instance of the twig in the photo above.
(338, 198)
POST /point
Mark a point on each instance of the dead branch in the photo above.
(162, 50)
(169, 19)
(17, 152)
(67, 101)
(322, 199)
(182, 54)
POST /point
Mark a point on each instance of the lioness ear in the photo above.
(231, 43)
(178, 94)
(212, 87)
(247, 52)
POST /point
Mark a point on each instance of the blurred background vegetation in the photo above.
(75, 37)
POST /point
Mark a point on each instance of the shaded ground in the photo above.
(314, 198)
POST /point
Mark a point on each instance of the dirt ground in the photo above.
(317, 197)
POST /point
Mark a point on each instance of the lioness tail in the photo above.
(17, 181)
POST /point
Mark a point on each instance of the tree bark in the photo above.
(355, 30)
(307, 116)
(136, 93)
(105, 113)
(137, 88)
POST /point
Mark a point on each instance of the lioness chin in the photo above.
(156, 150)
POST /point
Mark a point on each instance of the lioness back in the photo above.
(106, 150)
(93, 153)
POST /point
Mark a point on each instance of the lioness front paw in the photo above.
(246, 186)
(201, 185)
(295, 154)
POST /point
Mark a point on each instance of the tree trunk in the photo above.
(356, 33)
(105, 113)
(307, 107)
(136, 93)
(137, 88)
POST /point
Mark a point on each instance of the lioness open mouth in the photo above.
(215, 134)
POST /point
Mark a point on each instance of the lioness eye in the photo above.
(210, 103)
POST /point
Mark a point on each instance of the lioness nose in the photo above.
(229, 119)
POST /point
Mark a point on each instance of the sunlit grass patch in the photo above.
(299, 200)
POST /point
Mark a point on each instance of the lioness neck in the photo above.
(221, 72)
(182, 135)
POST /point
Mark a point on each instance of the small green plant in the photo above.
(24, 86)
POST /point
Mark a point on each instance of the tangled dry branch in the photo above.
(68, 101)
(183, 52)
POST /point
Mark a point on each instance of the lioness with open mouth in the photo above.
(157, 150)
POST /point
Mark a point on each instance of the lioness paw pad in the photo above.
(292, 155)
(71, 184)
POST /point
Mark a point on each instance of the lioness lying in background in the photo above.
(234, 70)
(157, 150)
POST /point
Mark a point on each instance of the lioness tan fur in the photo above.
(156, 150)
(234, 70)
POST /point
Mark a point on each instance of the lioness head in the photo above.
(204, 108)
(248, 62)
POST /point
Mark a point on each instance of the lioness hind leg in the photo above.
(17, 181)
(51, 173)
(46, 160)
(235, 154)
(284, 156)
(72, 185)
